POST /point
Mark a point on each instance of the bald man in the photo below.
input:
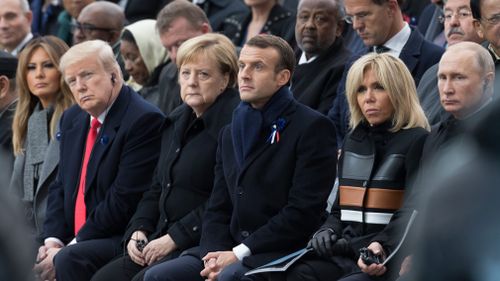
(102, 20)
(458, 27)
(15, 25)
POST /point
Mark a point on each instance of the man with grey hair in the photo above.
(15, 25)
(109, 145)
(458, 27)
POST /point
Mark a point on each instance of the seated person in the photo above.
(275, 168)
(144, 58)
(378, 158)
(169, 216)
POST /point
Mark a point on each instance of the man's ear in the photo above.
(479, 28)
(283, 77)
(4, 86)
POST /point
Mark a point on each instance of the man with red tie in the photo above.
(109, 145)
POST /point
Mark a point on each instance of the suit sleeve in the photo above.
(55, 224)
(136, 163)
(216, 235)
(313, 179)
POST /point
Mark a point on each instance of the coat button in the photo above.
(177, 150)
(165, 220)
(195, 228)
(169, 185)
(245, 233)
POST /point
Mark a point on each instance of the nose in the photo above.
(357, 24)
(309, 23)
(128, 65)
(39, 73)
(369, 96)
(78, 36)
(454, 21)
(446, 86)
(193, 80)
(243, 73)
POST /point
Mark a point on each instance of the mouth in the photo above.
(371, 111)
(40, 85)
(245, 88)
(84, 99)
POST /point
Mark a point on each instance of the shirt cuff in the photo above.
(55, 240)
(241, 251)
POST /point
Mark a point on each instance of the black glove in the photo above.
(322, 242)
(343, 248)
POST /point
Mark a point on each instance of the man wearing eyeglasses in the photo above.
(458, 27)
(487, 13)
(101, 20)
(380, 25)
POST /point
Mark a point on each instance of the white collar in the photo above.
(18, 48)
(303, 59)
(398, 41)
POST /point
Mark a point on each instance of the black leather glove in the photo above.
(322, 242)
(343, 248)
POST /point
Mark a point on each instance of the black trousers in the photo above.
(79, 262)
(123, 268)
(188, 268)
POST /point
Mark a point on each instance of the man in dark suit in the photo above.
(8, 101)
(103, 171)
(380, 25)
(275, 168)
(318, 31)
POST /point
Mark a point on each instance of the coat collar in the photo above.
(213, 118)
(264, 145)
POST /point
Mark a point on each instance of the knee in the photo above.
(154, 273)
(64, 258)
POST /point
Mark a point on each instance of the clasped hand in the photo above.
(215, 262)
(44, 267)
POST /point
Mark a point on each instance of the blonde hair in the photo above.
(211, 45)
(394, 76)
(92, 49)
(55, 48)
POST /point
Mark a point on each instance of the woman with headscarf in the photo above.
(144, 57)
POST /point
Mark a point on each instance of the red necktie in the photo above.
(80, 210)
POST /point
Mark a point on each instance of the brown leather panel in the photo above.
(376, 198)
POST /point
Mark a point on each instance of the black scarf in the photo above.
(249, 123)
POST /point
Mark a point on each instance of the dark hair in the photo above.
(475, 6)
(180, 9)
(287, 57)
(128, 36)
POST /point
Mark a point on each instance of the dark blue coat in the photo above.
(120, 168)
(418, 55)
(275, 201)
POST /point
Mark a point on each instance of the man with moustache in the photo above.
(458, 27)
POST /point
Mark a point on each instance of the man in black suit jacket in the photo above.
(8, 101)
(119, 168)
(275, 168)
(380, 25)
(318, 31)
